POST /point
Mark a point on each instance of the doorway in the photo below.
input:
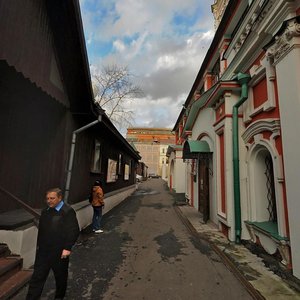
(203, 188)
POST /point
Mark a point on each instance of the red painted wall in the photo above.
(260, 93)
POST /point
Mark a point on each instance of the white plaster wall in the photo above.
(204, 124)
(229, 179)
(179, 173)
(288, 74)
(164, 172)
(188, 183)
(117, 198)
(171, 171)
(230, 100)
(21, 242)
(84, 213)
(244, 182)
(84, 210)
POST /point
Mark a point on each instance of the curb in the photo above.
(225, 259)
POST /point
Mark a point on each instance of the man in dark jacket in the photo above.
(58, 232)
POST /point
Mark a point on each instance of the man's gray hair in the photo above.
(58, 191)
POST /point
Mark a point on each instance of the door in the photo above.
(203, 188)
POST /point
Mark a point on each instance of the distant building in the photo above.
(142, 170)
(152, 145)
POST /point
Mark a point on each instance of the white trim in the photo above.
(258, 73)
(253, 151)
(257, 127)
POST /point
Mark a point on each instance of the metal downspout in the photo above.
(71, 157)
(243, 80)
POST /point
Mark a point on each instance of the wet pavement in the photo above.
(148, 251)
(258, 273)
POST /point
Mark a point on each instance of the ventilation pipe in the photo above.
(243, 80)
(71, 158)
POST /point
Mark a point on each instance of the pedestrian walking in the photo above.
(57, 233)
(97, 202)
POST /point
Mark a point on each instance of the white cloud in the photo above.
(163, 112)
(166, 62)
(164, 55)
(119, 46)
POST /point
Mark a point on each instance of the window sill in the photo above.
(269, 228)
(95, 172)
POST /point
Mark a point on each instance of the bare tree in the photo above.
(114, 89)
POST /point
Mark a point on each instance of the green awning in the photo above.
(191, 149)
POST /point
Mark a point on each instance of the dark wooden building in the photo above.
(45, 96)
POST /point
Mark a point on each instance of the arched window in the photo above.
(263, 189)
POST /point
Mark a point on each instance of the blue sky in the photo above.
(163, 42)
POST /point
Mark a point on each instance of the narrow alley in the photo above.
(146, 252)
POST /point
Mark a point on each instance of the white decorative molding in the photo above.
(253, 22)
(254, 70)
(218, 9)
(272, 125)
(258, 72)
(219, 128)
(284, 249)
(267, 241)
(251, 232)
(242, 37)
(284, 42)
(262, 144)
(262, 12)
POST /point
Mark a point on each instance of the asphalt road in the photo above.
(146, 252)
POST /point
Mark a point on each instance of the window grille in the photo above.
(270, 189)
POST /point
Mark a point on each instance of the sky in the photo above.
(162, 42)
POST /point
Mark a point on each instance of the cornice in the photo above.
(272, 125)
(284, 42)
(253, 19)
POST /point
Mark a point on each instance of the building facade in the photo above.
(52, 134)
(236, 127)
(152, 145)
(177, 169)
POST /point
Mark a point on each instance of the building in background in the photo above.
(163, 161)
(152, 145)
(141, 171)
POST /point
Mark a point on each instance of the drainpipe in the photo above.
(243, 80)
(71, 158)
